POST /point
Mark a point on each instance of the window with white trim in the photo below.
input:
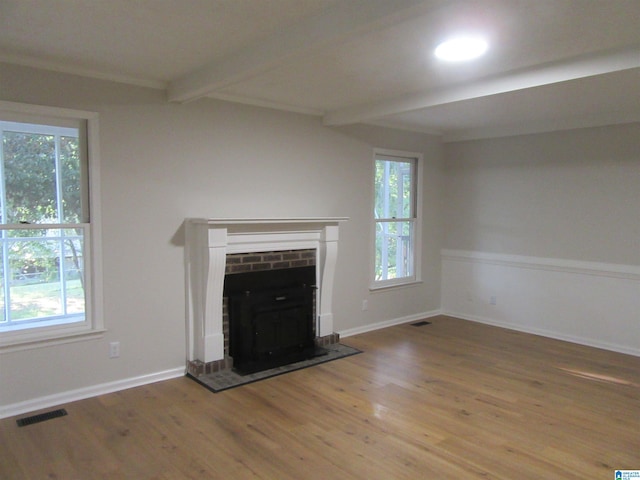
(47, 281)
(395, 218)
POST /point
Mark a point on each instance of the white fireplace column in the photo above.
(207, 243)
(326, 264)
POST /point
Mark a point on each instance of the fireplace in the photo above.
(271, 319)
(212, 249)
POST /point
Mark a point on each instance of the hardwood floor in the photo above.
(453, 399)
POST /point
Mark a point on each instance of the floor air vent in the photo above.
(23, 422)
(420, 324)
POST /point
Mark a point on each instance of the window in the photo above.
(395, 218)
(48, 286)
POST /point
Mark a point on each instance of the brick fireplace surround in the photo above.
(215, 248)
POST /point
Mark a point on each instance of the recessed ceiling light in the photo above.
(461, 48)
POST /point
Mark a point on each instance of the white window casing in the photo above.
(397, 219)
(15, 335)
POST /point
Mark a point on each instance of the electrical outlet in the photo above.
(114, 349)
(365, 305)
(493, 300)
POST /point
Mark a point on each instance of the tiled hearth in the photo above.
(219, 247)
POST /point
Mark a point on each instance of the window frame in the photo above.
(40, 334)
(416, 219)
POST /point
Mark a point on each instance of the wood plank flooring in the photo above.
(453, 399)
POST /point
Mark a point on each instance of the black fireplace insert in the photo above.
(271, 317)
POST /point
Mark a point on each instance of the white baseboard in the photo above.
(92, 391)
(388, 323)
(546, 333)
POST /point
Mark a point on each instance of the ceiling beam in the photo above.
(335, 24)
(564, 71)
(542, 126)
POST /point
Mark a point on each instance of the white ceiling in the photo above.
(552, 64)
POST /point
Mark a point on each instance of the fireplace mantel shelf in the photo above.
(258, 221)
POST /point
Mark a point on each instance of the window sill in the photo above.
(31, 340)
(394, 286)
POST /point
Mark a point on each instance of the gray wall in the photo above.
(568, 195)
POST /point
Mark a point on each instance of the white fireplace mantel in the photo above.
(207, 243)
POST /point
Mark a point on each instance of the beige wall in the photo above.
(161, 163)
